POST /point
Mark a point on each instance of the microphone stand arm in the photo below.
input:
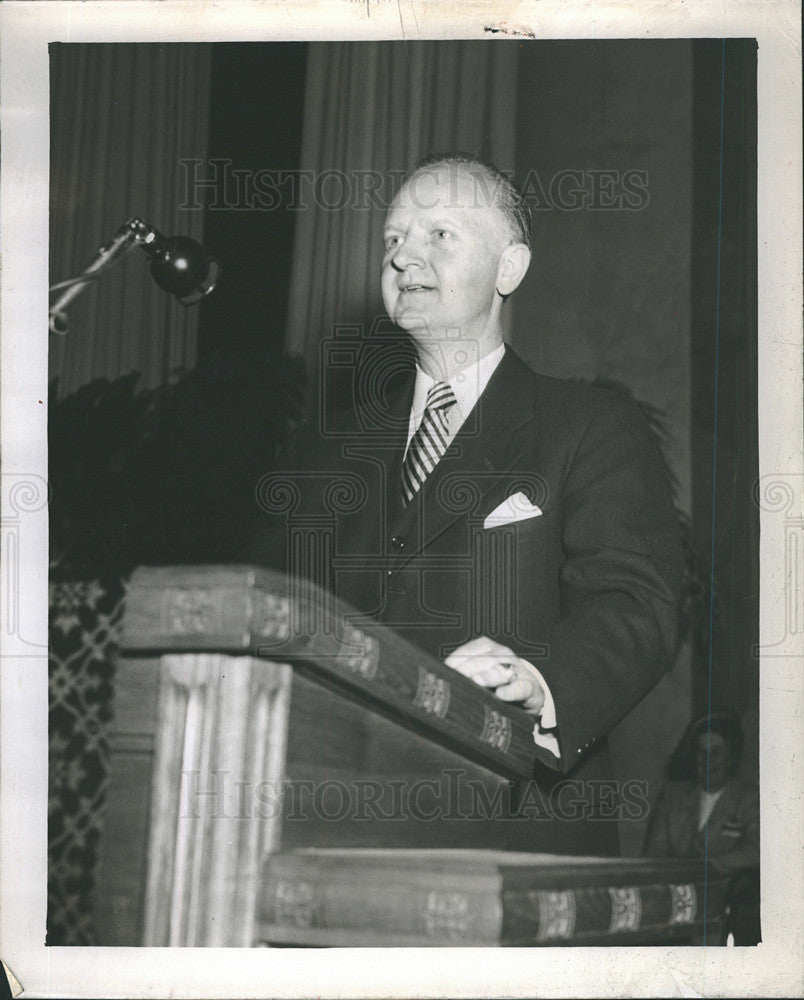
(133, 232)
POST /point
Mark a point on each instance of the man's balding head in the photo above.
(491, 187)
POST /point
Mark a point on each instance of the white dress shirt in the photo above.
(468, 384)
(706, 803)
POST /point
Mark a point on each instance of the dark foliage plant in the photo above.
(167, 475)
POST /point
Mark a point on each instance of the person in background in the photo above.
(714, 814)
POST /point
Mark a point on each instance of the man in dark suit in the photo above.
(518, 527)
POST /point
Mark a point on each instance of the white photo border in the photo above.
(772, 969)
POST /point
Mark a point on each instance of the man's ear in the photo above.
(514, 263)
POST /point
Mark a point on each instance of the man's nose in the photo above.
(409, 252)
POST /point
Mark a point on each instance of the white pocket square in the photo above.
(514, 508)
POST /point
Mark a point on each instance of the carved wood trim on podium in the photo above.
(222, 718)
(232, 609)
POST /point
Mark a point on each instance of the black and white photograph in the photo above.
(409, 489)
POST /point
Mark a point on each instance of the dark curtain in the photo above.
(724, 376)
(122, 118)
(246, 186)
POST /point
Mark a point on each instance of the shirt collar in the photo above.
(467, 385)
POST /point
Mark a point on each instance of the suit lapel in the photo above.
(687, 821)
(380, 439)
(487, 446)
(401, 404)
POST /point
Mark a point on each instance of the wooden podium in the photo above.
(257, 719)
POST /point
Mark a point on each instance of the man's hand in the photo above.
(493, 665)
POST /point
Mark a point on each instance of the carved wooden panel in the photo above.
(221, 730)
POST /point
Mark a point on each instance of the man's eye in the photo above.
(442, 234)
(391, 241)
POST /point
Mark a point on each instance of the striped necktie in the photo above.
(429, 442)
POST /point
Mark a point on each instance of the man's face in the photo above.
(443, 241)
(712, 761)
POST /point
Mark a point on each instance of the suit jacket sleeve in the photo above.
(619, 582)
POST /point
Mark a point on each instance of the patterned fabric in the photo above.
(429, 442)
(84, 616)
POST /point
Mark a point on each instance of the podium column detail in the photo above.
(221, 737)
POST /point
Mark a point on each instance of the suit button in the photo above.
(398, 542)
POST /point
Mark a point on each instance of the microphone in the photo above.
(179, 265)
